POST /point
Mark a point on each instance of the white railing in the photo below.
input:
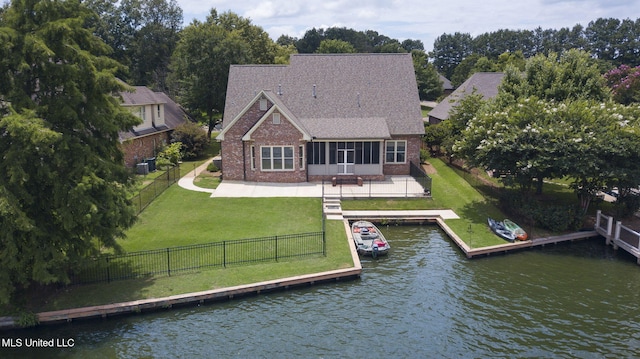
(620, 236)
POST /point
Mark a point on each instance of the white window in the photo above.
(276, 118)
(396, 151)
(277, 158)
(263, 104)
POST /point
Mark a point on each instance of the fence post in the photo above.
(324, 244)
(108, 272)
(406, 187)
(224, 254)
(168, 262)
(276, 248)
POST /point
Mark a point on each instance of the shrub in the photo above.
(170, 155)
(424, 155)
(193, 138)
(554, 217)
(212, 167)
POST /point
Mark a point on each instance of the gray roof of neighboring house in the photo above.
(356, 95)
(485, 83)
(141, 95)
(174, 115)
(446, 84)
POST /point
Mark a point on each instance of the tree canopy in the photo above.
(203, 55)
(556, 120)
(62, 180)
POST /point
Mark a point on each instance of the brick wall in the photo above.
(137, 149)
(412, 155)
(236, 154)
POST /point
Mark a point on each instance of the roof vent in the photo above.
(314, 91)
(280, 89)
(358, 96)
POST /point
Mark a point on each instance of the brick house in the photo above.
(159, 115)
(320, 117)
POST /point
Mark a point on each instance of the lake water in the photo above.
(425, 300)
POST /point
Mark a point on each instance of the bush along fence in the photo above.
(169, 261)
(153, 190)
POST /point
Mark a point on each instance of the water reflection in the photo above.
(423, 300)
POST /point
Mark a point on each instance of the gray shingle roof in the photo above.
(357, 93)
(141, 96)
(174, 115)
(485, 83)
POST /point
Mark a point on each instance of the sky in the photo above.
(411, 19)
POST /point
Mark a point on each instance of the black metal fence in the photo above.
(421, 177)
(154, 189)
(174, 260)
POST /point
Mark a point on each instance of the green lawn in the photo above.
(338, 256)
(449, 191)
(181, 217)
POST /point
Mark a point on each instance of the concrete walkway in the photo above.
(186, 181)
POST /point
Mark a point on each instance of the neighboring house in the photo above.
(484, 83)
(320, 117)
(159, 115)
(447, 87)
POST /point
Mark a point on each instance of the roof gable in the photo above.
(277, 104)
(284, 116)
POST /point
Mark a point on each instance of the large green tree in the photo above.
(572, 75)
(62, 180)
(202, 59)
(523, 105)
(142, 34)
(429, 84)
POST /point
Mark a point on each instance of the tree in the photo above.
(450, 50)
(614, 40)
(262, 49)
(142, 34)
(526, 130)
(335, 47)
(63, 186)
(193, 139)
(429, 83)
(201, 63)
(572, 75)
(624, 82)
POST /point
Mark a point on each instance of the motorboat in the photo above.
(368, 239)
